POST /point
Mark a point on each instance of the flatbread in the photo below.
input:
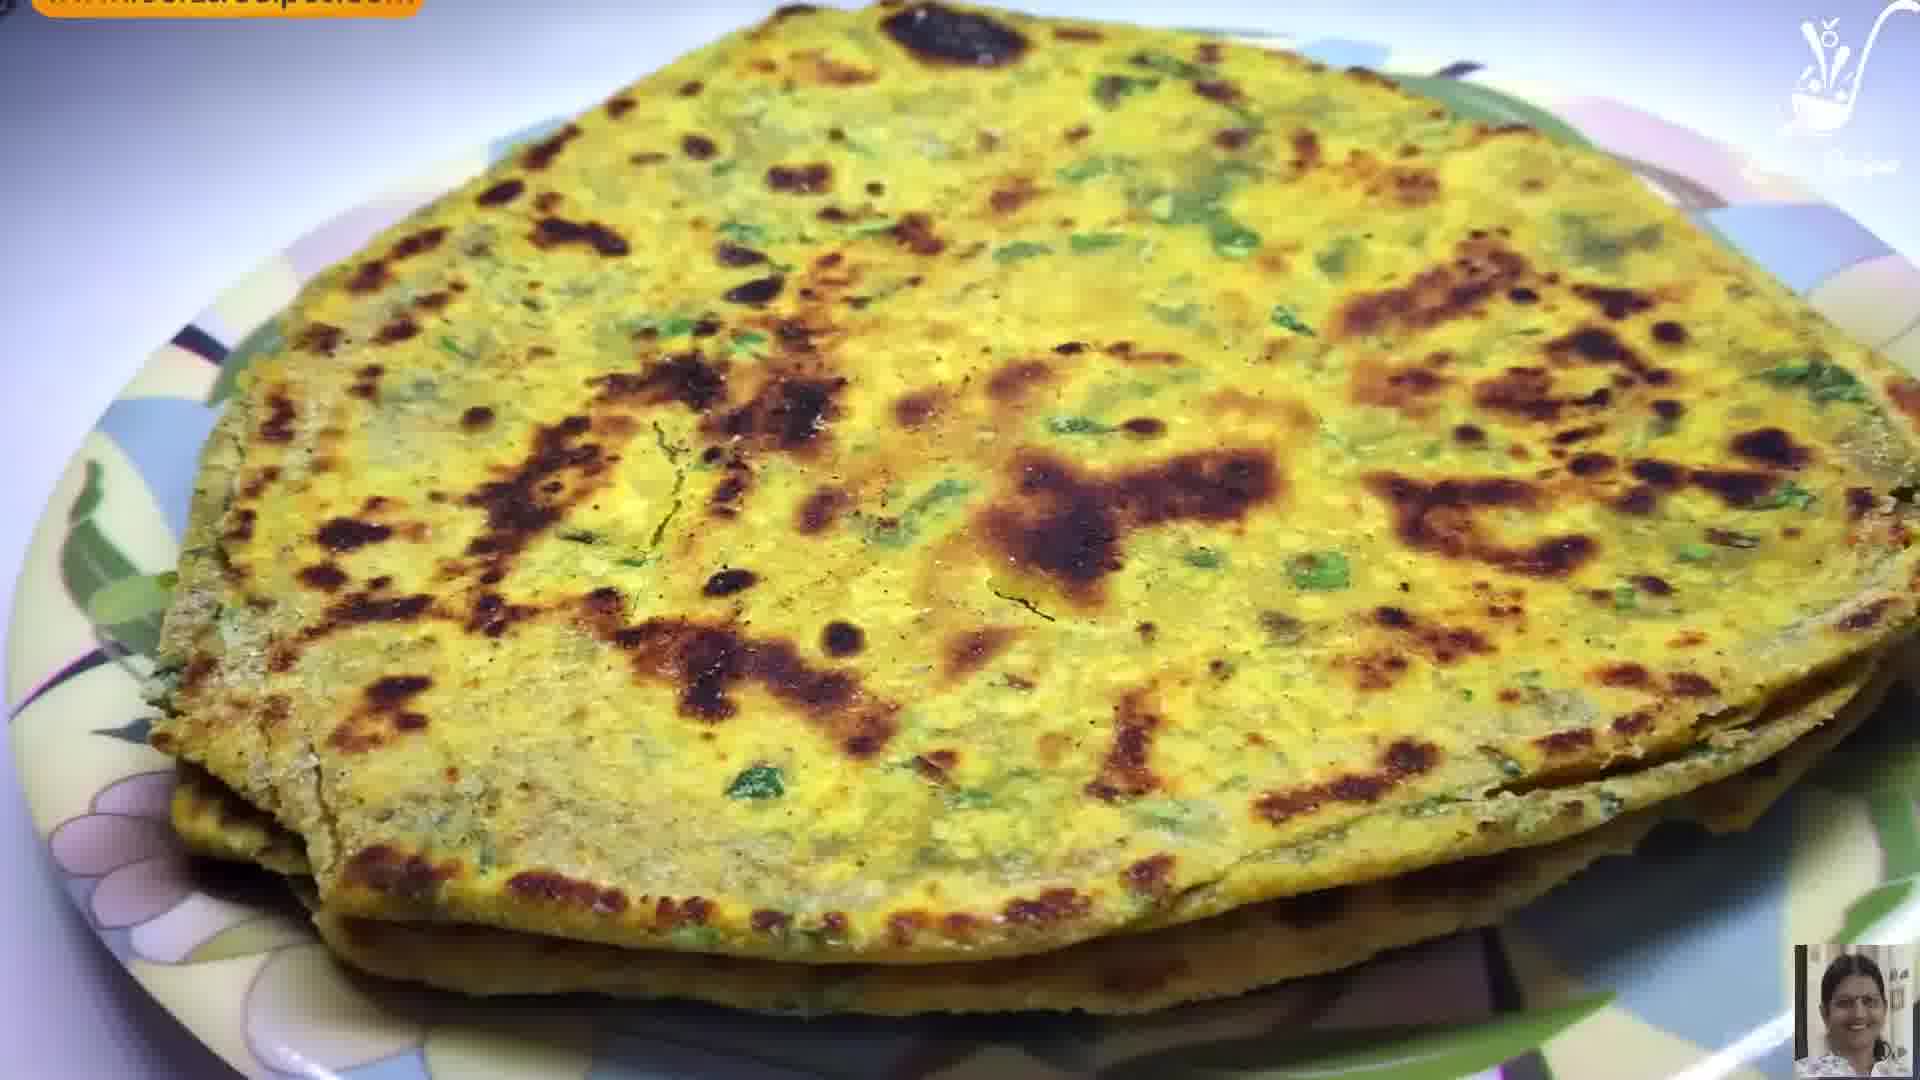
(215, 823)
(1250, 948)
(927, 484)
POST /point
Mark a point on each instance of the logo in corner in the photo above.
(1828, 90)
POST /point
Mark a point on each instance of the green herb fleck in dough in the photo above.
(1822, 381)
(1694, 553)
(1234, 240)
(1081, 171)
(453, 347)
(677, 326)
(1789, 494)
(757, 782)
(1170, 814)
(722, 168)
(939, 493)
(1183, 207)
(1184, 315)
(1077, 425)
(1611, 804)
(747, 341)
(1332, 261)
(1466, 695)
(1284, 318)
(902, 531)
(1204, 559)
(1020, 249)
(1625, 597)
(1110, 90)
(874, 228)
(1529, 677)
(1083, 243)
(1171, 65)
(742, 233)
(1319, 570)
(1589, 244)
(967, 798)
(635, 563)
(698, 937)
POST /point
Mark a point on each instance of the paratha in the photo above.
(1252, 947)
(930, 483)
(215, 823)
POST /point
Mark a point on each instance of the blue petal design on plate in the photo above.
(411, 1065)
(1718, 909)
(118, 940)
(162, 437)
(505, 145)
(1342, 52)
(1802, 244)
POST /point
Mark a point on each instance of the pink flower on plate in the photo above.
(146, 881)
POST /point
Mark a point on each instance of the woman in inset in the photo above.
(1853, 1005)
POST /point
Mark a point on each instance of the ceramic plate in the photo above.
(1696, 981)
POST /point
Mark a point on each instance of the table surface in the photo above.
(149, 164)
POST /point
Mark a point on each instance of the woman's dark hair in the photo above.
(1847, 964)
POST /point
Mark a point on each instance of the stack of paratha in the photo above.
(929, 508)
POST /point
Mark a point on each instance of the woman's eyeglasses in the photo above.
(1870, 1001)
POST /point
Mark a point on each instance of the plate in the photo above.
(1695, 982)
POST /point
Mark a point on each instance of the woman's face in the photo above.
(1855, 1014)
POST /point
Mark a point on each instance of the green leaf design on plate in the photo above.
(91, 492)
(97, 575)
(1409, 1052)
(267, 337)
(132, 598)
(1899, 834)
(134, 731)
(1474, 101)
(1876, 905)
(260, 935)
